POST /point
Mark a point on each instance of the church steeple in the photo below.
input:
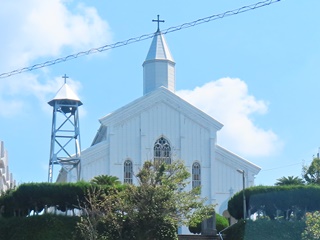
(159, 66)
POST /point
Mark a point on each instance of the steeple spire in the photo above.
(159, 66)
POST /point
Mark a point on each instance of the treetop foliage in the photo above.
(106, 180)
(312, 172)
(290, 180)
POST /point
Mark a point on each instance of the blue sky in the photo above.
(258, 73)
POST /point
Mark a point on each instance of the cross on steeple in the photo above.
(65, 78)
(158, 21)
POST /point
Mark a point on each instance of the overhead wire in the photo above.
(302, 163)
(284, 166)
(140, 38)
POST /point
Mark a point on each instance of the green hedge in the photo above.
(36, 196)
(264, 229)
(269, 199)
(48, 227)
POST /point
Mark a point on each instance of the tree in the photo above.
(106, 180)
(312, 231)
(312, 173)
(152, 210)
(290, 180)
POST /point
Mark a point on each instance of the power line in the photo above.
(140, 38)
(302, 163)
(290, 165)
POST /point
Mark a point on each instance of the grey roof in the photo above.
(65, 93)
(159, 49)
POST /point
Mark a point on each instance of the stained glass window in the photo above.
(128, 172)
(196, 175)
(162, 150)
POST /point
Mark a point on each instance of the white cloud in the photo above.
(37, 30)
(228, 101)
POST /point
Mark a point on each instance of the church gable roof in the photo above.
(165, 96)
(235, 160)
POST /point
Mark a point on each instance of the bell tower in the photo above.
(65, 134)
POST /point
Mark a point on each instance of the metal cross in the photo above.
(158, 21)
(65, 78)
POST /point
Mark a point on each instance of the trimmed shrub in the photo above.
(263, 229)
(35, 196)
(235, 231)
(49, 227)
(272, 200)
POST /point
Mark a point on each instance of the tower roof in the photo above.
(65, 93)
(159, 49)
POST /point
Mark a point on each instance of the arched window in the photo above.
(127, 170)
(196, 175)
(162, 151)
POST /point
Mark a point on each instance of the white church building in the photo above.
(160, 124)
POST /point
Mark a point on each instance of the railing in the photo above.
(220, 233)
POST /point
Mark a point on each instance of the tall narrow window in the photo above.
(196, 175)
(127, 176)
(162, 150)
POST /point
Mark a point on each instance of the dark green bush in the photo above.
(48, 227)
(235, 231)
(35, 196)
(270, 199)
(264, 229)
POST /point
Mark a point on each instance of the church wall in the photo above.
(126, 145)
(94, 161)
(194, 142)
(160, 120)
